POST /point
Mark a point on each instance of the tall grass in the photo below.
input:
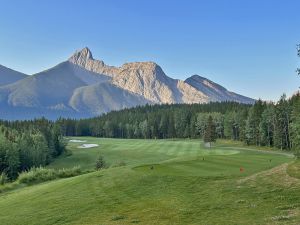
(40, 174)
(35, 176)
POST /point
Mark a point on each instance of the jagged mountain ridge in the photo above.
(149, 80)
(83, 86)
(84, 58)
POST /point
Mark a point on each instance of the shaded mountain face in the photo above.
(104, 97)
(50, 88)
(9, 76)
(65, 90)
(85, 87)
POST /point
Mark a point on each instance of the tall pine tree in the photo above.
(210, 131)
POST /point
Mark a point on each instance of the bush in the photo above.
(40, 174)
(37, 175)
(100, 163)
(64, 173)
(3, 178)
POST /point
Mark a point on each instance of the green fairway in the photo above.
(163, 182)
(139, 152)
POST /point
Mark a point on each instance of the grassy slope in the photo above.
(294, 169)
(182, 189)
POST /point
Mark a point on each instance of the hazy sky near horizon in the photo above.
(248, 46)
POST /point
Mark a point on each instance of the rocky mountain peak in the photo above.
(85, 53)
(82, 56)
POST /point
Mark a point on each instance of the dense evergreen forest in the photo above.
(27, 144)
(263, 124)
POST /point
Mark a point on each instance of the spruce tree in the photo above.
(100, 163)
(210, 131)
(295, 126)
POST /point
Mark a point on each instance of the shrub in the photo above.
(37, 175)
(3, 178)
(40, 174)
(7, 187)
(100, 163)
(64, 173)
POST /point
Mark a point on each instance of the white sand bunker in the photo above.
(76, 141)
(88, 146)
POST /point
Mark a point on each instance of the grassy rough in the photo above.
(182, 188)
(40, 174)
(294, 169)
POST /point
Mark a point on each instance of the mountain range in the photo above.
(83, 87)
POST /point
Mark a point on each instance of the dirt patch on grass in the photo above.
(278, 175)
(289, 217)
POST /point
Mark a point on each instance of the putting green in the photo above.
(218, 152)
(208, 166)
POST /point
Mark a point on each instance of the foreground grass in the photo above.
(164, 182)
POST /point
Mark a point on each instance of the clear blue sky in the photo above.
(249, 46)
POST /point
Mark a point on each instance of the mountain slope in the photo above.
(50, 88)
(8, 76)
(104, 97)
(149, 80)
(47, 93)
(216, 92)
(63, 90)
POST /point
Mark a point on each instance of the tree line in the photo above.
(28, 144)
(273, 124)
(149, 122)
